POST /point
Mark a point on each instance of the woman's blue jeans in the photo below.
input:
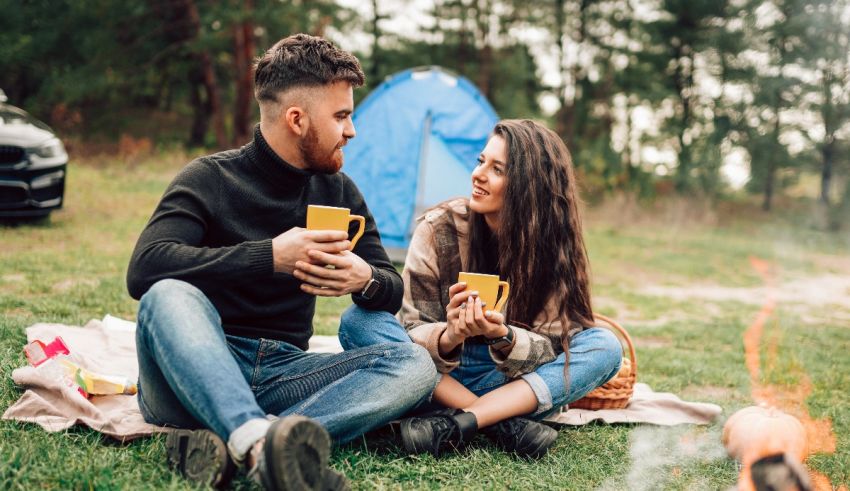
(192, 375)
(595, 357)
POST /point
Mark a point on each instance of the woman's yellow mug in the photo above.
(488, 286)
(333, 218)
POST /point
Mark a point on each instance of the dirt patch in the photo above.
(709, 392)
(628, 317)
(18, 312)
(832, 263)
(13, 278)
(815, 291)
(652, 342)
(66, 285)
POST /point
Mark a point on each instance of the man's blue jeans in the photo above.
(595, 357)
(192, 375)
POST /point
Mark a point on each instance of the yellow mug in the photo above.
(333, 218)
(487, 286)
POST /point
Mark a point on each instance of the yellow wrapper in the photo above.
(98, 383)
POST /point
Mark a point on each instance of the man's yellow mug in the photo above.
(333, 218)
(488, 286)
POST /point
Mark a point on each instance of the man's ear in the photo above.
(296, 120)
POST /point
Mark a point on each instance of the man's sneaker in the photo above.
(437, 432)
(522, 436)
(200, 455)
(295, 457)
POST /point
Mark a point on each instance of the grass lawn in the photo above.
(686, 293)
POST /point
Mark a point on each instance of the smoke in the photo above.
(658, 455)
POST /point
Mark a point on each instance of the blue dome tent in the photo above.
(419, 135)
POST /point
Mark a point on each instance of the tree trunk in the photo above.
(485, 54)
(243, 54)
(485, 69)
(182, 26)
(321, 26)
(683, 82)
(581, 104)
(463, 45)
(771, 163)
(768, 186)
(375, 67)
(213, 98)
(828, 149)
(200, 118)
(565, 111)
(827, 153)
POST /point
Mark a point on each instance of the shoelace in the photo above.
(444, 428)
(508, 431)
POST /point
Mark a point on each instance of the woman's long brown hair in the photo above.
(541, 250)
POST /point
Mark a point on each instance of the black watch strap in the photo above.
(372, 286)
(502, 341)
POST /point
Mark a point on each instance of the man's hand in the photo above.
(293, 245)
(350, 273)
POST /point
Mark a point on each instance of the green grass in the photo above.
(71, 269)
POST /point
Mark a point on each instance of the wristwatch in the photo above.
(502, 341)
(371, 287)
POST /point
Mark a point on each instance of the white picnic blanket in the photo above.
(109, 346)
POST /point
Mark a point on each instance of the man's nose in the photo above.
(348, 130)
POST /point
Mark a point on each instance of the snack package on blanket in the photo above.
(55, 370)
(37, 352)
(86, 382)
(97, 383)
(56, 360)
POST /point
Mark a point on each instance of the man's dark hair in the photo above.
(302, 60)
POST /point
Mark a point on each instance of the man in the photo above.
(227, 278)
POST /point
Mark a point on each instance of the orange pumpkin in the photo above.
(756, 432)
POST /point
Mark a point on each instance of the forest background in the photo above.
(709, 99)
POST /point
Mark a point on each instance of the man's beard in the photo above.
(315, 159)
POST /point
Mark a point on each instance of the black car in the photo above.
(32, 165)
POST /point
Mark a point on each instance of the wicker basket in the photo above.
(615, 393)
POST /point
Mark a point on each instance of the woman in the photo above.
(521, 223)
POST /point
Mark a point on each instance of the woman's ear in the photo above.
(296, 120)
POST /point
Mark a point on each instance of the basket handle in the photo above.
(612, 325)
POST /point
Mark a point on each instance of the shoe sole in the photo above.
(200, 456)
(297, 450)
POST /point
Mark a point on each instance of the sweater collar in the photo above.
(261, 153)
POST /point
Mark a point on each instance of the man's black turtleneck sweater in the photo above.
(214, 226)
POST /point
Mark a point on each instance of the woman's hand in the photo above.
(478, 322)
(456, 330)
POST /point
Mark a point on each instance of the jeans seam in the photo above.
(589, 350)
(287, 378)
(296, 408)
(258, 362)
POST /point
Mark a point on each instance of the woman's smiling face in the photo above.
(489, 181)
